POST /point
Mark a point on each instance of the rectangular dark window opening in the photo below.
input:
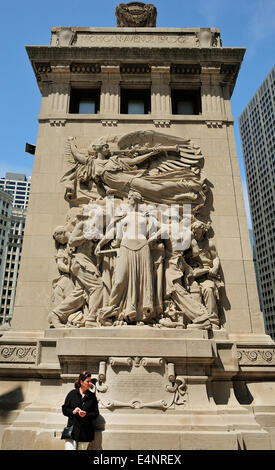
(84, 101)
(186, 102)
(135, 101)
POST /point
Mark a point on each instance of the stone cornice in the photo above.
(156, 55)
(131, 30)
(226, 61)
(166, 121)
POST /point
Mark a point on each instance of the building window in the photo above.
(186, 102)
(84, 101)
(135, 101)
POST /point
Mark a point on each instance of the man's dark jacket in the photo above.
(83, 430)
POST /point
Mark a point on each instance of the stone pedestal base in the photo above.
(157, 388)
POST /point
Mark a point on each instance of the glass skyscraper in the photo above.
(15, 188)
(19, 186)
(257, 129)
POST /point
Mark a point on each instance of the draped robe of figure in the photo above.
(178, 186)
(161, 174)
(195, 312)
(132, 295)
(88, 282)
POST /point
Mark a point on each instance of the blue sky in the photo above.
(243, 23)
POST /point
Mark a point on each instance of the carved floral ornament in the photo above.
(134, 248)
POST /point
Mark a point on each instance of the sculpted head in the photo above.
(134, 197)
(60, 235)
(199, 229)
(100, 148)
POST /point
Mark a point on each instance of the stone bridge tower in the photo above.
(142, 110)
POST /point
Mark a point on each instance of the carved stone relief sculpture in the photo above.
(207, 38)
(135, 249)
(136, 14)
(65, 37)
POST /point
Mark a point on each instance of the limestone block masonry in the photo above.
(173, 336)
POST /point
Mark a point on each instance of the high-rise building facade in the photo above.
(19, 186)
(6, 201)
(257, 128)
(13, 248)
(14, 197)
(255, 267)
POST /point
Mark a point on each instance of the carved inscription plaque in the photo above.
(142, 39)
(136, 39)
(136, 383)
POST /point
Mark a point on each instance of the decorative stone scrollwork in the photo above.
(22, 354)
(120, 361)
(268, 356)
(180, 392)
(7, 352)
(139, 382)
(258, 357)
(171, 372)
(152, 362)
(101, 387)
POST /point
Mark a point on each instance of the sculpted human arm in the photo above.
(195, 248)
(63, 264)
(78, 156)
(215, 259)
(77, 236)
(101, 244)
(197, 271)
(109, 236)
(141, 158)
